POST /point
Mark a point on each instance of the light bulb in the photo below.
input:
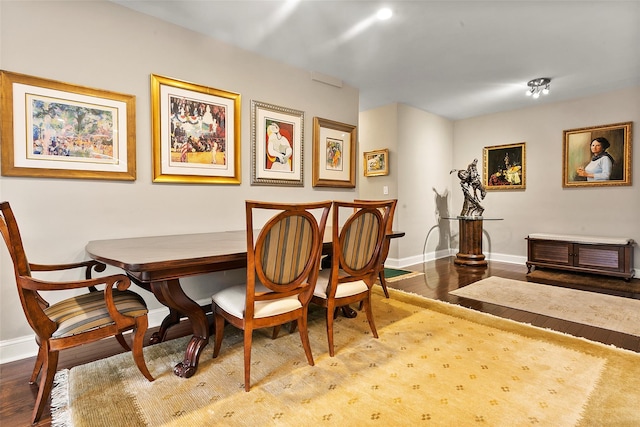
(536, 95)
(529, 92)
(545, 91)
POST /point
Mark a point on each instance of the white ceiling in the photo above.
(456, 59)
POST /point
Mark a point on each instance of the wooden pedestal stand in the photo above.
(470, 252)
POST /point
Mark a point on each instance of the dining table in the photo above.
(157, 263)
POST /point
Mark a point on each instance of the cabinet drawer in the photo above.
(551, 251)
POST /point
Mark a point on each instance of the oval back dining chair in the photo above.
(282, 269)
(355, 259)
(74, 321)
(387, 243)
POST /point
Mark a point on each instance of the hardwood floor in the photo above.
(17, 397)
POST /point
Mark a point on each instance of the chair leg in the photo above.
(330, 316)
(138, 342)
(219, 321)
(123, 343)
(248, 335)
(367, 309)
(50, 364)
(276, 331)
(383, 282)
(38, 365)
(304, 336)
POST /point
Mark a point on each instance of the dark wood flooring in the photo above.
(17, 397)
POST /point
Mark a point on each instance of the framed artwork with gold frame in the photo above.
(597, 156)
(51, 129)
(334, 154)
(376, 163)
(505, 167)
(195, 132)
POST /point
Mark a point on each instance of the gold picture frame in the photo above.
(376, 162)
(609, 165)
(52, 129)
(505, 167)
(334, 154)
(195, 132)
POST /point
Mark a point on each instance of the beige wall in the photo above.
(103, 45)
(545, 206)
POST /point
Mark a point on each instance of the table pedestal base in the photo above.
(470, 243)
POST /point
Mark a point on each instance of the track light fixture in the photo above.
(537, 86)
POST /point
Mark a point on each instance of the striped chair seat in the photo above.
(89, 311)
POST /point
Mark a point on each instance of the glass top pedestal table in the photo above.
(470, 251)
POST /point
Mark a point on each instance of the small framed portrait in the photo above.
(334, 154)
(504, 167)
(376, 163)
(51, 129)
(277, 137)
(597, 156)
(196, 133)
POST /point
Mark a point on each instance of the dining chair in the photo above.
(355, 260)
(386, 245)
(282, 269)
(74, 321)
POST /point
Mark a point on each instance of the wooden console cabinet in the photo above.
(596, 255)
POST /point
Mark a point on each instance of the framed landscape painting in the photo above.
(51, 129)
(196, 133)
(277, 136)
(334, 154)
(504, 167)
(597, 156)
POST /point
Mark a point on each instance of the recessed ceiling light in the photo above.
(384, 14)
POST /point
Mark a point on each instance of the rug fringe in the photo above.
(404, 276)
(60, 411)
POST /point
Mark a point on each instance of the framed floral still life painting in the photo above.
(51, 129)
(376, 163)
(597, 156)
(334, 154)
(277, 137)
(504, 167)
(196, 133)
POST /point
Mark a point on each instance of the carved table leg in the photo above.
(171, 294)
(173, 318)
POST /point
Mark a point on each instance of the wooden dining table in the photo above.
(157, 263)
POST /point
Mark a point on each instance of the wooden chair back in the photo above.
(286, 253)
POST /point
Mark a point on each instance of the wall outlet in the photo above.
(385, 190)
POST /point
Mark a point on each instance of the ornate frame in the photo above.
(273, 128)
(505, 167)
(576, 153)
(376, 163)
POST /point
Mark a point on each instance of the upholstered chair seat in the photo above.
(88, 311)
(233, 300)
(346, 289)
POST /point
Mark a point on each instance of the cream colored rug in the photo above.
(434, 364)
(588, 308)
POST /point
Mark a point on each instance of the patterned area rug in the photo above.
(433, 364)
(588, 308)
